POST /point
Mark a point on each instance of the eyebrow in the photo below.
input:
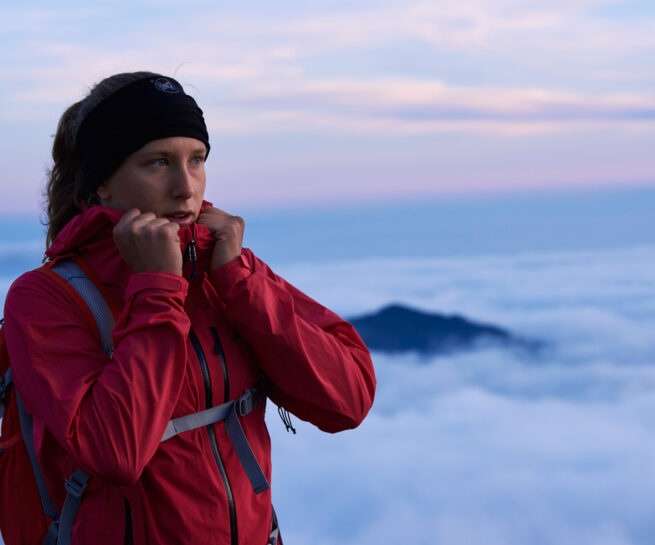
(166, 153)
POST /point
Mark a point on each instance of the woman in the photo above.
(200, 321)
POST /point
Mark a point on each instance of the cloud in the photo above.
(432, 106)
(491, 446)
(461, 463)
(258, 71)
(479, 285)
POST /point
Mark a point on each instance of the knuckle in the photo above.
(169, 233)
(168, 229)
(133, 229)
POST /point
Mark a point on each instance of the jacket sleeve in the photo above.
(109, 414)
(319, 367)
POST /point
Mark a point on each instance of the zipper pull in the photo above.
(192, 257)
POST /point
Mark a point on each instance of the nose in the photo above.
(182, 183)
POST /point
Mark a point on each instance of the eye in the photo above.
(198, 160)
(160, 162)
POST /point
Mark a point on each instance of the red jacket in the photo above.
(107, 415)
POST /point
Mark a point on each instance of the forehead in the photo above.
(173, 144)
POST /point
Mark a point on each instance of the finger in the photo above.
(129, 216)
(210, 218)
(213, 211)
(125, 224)
(154, 222)
(208, 214)
(215, 215)
(142, 220)
(172, 226)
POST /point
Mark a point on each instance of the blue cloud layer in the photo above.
(491, 446)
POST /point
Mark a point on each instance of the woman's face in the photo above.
(166, 177)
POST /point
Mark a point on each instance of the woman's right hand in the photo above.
(148, 243)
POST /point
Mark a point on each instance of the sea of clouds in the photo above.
(493, 446)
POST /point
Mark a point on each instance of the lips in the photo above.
(184, 217)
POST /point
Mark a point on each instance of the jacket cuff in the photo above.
(157, 280)
(230, 274)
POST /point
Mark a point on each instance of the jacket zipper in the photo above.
(212, 436)
(218, 350)
(191, 249)
(129, 538)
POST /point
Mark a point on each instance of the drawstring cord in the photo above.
(286, 419)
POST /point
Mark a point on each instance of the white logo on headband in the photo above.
(166, 86)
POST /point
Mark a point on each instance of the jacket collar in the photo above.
(96, 222)
(89, 235)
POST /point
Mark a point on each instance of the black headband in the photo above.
(147, 109)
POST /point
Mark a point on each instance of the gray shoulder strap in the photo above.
(76, 277)
(27, 430)
(60, 531)
(229, 412)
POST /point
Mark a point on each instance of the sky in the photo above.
(340, 103)
(516, 137)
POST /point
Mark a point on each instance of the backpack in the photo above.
(22, 486)
(23, 491)
(17, 485)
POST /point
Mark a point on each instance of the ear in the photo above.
(103, 192)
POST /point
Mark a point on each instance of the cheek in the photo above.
(201, 184)
(146, 196)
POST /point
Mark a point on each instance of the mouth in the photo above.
(184, 217)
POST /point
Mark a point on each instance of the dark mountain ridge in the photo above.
(397, 328)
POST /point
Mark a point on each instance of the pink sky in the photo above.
(358, 101)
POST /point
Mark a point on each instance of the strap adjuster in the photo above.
(75, 487)
(245, 403)
(5, 382)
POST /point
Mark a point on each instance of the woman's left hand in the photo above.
(228, 232)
